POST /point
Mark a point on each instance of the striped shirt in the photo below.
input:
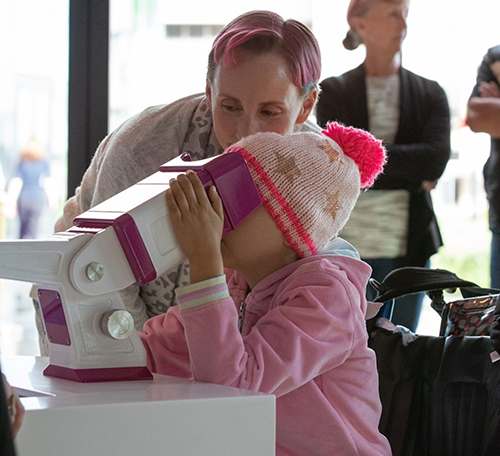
(378, 226)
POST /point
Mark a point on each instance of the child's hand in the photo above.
(198, 221)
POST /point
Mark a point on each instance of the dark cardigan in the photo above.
(492, 167)
(420, 152)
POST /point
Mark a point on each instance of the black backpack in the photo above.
(440, 395)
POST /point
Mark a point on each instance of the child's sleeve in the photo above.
(164, 337)
(165, 343)
(312, 330)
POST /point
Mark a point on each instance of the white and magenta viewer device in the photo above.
(125, 240)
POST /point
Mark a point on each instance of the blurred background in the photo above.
(158, 53)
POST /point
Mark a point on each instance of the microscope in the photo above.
(126, 240)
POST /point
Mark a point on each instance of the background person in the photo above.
(393, 224)
(483, 115)
(262, 76)
(31, 189)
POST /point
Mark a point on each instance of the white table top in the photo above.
(25, 374)
(137, 416)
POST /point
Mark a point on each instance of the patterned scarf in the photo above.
(200, 142)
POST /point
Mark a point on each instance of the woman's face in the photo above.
(257, 95)
(383, 27)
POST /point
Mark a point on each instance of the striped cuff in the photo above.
(202, 293)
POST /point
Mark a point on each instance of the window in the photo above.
(34, 94)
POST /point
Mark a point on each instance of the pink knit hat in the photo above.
(309, 183)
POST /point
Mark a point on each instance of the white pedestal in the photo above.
(166, 415)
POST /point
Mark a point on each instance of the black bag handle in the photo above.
(410, 280)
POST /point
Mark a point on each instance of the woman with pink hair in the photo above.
(394, 224)
(263, 74)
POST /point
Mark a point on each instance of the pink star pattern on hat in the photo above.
(333, 154)
(309, 183)
(333, 205)
(287, 167)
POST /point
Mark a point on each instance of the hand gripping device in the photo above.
(126, 240)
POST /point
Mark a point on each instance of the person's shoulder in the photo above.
(494, 48)
(188, 103)
(343, 79)
(171, 112)
(493, 53)
(333, 280)
(156, 126)
(425, 84)
(417, 77)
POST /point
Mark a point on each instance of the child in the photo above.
(301, 334)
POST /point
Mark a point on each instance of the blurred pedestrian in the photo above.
(30, 190)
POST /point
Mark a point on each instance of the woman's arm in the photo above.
(483, 115)
(13, 191)
(81, 201)
(483, 109)
(424, 159)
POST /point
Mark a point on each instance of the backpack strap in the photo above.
(410, 280)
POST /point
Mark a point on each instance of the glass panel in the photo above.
(33, 120)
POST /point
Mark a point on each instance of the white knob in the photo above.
(117, 324)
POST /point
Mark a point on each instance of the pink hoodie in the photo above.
(303, 339)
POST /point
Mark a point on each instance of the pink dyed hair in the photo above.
(263, 31)
(364, 149)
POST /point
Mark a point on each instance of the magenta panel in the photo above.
(53, 315)
(110, 374)
(233, 181)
